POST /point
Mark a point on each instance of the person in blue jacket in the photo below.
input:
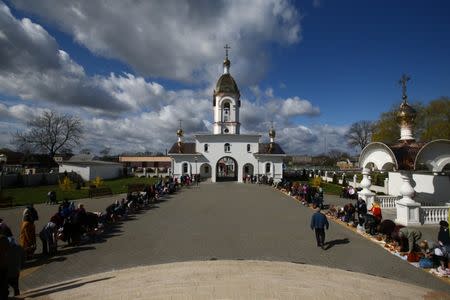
(318, 223)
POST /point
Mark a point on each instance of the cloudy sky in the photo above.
(131, 69)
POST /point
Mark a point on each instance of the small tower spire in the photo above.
(180, 134)
(406, 114)
(272, 135)
(226, 62)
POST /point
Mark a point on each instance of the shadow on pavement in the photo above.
(333, 243)
(58, 257)
(59, 287)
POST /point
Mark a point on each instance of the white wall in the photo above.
(238, 151)
(83, 171)
(90, 172)
(433, 189)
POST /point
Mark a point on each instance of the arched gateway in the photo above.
(226, 169)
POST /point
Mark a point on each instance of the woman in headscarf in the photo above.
(28, 236)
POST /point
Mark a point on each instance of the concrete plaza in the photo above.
(225, 221)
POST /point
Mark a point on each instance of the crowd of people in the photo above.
(404, 241)
(305, 193)
(71, 224)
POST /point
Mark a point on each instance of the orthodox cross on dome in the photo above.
(226, 50)
(403, 80)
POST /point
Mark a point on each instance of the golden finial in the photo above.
(272, 132)
(180, 131)
(406, 114)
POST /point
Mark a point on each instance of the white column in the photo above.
(354, 180)
(408, 211)
(366, 194)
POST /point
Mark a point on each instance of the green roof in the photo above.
(226, 84)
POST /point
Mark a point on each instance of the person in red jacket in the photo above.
(376, 211)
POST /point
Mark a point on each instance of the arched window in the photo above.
(248, 148)
(206, 146)
(267, 167)
(226, 112)
(227, 147)
(185, 168)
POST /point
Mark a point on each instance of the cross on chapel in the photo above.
(226, 50)
(403, 80)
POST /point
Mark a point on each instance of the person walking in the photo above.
(318, 223)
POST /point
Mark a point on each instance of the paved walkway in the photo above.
(226, 221)
(225, 279)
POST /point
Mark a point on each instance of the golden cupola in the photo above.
(406, 114)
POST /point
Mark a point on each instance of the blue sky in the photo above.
(130, 72)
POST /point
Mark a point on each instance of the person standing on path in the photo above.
(318, 223)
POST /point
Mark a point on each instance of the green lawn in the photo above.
(38, 194)
(331, 188)
(328, 187)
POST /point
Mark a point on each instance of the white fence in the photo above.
(434, 214)
(350, 181)
(387, 201)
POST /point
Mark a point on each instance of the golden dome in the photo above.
(180, 132)
(406, 114)
(226, 62)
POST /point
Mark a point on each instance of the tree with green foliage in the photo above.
(436, 120)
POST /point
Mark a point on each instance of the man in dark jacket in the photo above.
(443, 235)
(4, 248)
(16, 257)
(361, 209)
(318, 223)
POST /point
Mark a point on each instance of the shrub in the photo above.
(65, 184)
(97, 182)
(317, 181)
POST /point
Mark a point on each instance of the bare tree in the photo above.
(51, 132)
(359, 134)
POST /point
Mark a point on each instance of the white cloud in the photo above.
(296, 106)
(33, 68)
(181, 40)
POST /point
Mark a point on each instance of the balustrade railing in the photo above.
(434, 214)
(387, 201)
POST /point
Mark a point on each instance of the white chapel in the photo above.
(226, 154)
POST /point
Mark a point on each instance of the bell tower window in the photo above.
(205, 147)
(249, 148)
(267, 167)
(226, 112)
(227, 147)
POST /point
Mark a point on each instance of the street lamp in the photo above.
(196, 174)
(257, 178)
(3, 162)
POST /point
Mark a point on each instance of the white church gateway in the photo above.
(227, 155)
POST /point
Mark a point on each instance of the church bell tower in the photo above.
(226, 102)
